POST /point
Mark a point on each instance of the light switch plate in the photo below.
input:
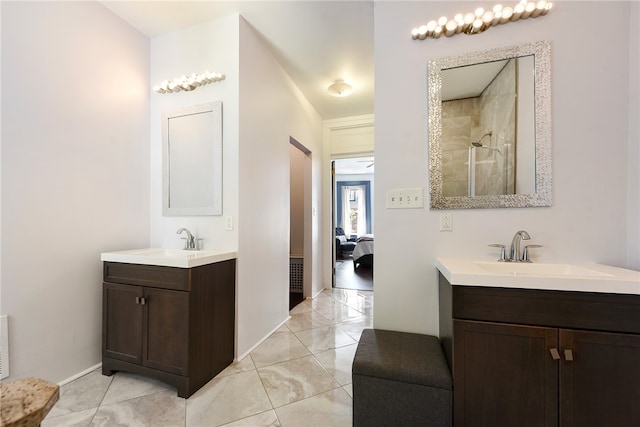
(405, 198)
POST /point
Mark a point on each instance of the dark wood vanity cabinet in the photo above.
(173, 324)
(541, 358)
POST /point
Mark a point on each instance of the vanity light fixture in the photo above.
(188, 83)
(480, 20)
(340, 88)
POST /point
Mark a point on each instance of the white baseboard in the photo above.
(246, 353)
(80, 374)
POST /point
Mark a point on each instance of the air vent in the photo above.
(295, 274)
(4, 347)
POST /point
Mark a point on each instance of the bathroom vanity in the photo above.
(527, 348)
(169, 315)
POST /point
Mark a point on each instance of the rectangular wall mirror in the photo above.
(192, 160)
(490, 128)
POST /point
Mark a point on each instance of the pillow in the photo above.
(342, 239)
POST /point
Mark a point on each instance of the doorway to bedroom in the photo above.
(352, 213)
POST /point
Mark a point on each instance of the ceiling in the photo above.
(316, 42)
(355, 166)
(469, 81)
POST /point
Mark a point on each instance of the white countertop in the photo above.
(559, 277)
(167, 257)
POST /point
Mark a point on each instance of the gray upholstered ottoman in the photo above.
(400, 379)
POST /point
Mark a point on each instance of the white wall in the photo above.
(296, 202)
(344, 137)
(212, 46)
(75, 175)
(592, 138)
(271, 111)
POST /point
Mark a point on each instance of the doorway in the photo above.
(299, 223)
(352, 214)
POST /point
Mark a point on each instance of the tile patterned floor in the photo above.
(299, 376)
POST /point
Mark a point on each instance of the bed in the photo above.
(363, 252)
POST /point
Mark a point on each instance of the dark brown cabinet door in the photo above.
(601, 385)
(504, 375)
(122, 322)
(167, 330)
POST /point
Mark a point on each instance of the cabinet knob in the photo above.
(554, 353)
(568, 355)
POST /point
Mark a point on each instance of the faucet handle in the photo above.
(503, 251)
(525, 254)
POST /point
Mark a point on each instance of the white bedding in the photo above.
(363, 247)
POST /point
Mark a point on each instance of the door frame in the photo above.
(333, 211)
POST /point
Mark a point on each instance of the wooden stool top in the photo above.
(26, 402)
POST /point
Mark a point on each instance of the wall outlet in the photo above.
(228, 223)
(446, 221)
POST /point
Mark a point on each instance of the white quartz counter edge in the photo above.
(167, 258)
(464, 272)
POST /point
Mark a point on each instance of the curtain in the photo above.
(346, 210)
(357, 203)
(362, 210)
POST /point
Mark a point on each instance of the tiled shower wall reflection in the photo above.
(465, 121)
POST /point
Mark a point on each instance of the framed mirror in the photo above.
(192, 160)
(490, 128)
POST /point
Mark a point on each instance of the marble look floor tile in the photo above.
(278, 348)
(127, 386)
(264, 419)
(354, 327)
(332, 408)
(362, 304)
(321, 339)
(84, 393)
(283, 329)
(340, 313)
(303, 307)
(160, 409)
(237, 396)
(305, 321)
(349, 389)
(338, 362)
(322, 301)
(295, 380)
(227, 399)
(243, 365)
(75, 419)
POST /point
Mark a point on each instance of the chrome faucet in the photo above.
(515, 255)
(190, 242)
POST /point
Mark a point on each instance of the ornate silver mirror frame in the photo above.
(542, 196)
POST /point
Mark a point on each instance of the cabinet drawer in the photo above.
(575, 310)
(152, 276)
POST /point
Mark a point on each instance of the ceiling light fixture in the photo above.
(188, 83)
(340, 88)
(480, 20)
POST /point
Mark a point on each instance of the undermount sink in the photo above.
(561, 276)
(167, 257)
(535, 269)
